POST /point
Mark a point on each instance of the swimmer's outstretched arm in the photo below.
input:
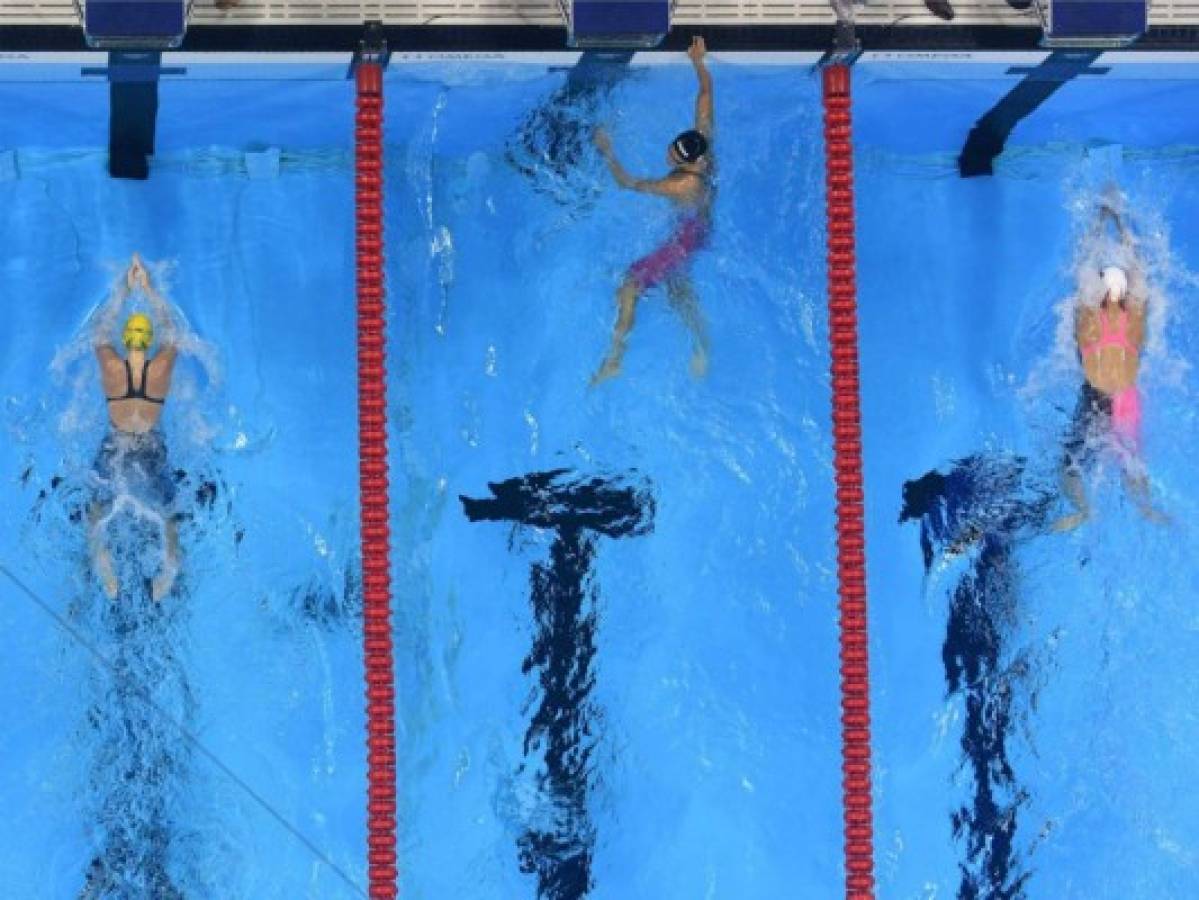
(162, 310)
(1126, 237)
(671, 186)
(1136, 275)
(703, 100)
(105, 319)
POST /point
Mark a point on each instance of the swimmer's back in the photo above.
(1110, 367)
(135, 395)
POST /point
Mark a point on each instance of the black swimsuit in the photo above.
(1092, 417)
(139, 393)
(135, 464)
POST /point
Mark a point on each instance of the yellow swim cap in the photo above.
(139, 333)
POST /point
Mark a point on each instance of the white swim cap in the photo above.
(1115, 281)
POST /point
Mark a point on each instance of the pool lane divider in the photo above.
(847, 461)
(373, 482)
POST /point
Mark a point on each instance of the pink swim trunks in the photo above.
(691, 235)
(1126, 418)
(1104, 422)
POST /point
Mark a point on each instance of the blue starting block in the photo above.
(616, 23)
(135, 24)
(1094, 23)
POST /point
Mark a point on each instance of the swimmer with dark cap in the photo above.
(689, 186)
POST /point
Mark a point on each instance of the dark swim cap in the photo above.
(690, 146)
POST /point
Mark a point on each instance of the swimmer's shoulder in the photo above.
(681, 188)
(112, 366)
(689, 185)
(107, 355)
(1086, 324)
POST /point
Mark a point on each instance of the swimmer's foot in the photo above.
(1138, 492)
(1069, 523)
(1155, 515)
(699, 363)
(610, 369)
(108, 578)
(163, 581)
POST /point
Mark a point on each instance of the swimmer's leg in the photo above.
(626, 301)
(165, 579)
(1074, 490)
(101, 558)
(1090, 414)
(683, 300)
(1136, 485)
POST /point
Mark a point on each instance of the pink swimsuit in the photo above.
(1126, 404)
(689, 236)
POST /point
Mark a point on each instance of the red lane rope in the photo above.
(847, 455)
(372, 473)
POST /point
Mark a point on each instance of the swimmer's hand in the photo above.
(697, 50)
(602, 141)
(1106, 210)
(137, 275)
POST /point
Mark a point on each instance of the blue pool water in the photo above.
(1032, 693)
(647, 708)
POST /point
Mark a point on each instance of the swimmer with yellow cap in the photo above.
(132, 460)
(139, 332)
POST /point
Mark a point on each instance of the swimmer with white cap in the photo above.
(1110, 337)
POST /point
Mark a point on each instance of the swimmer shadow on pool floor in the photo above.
(977, 511)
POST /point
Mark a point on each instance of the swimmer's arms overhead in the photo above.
(140, 278)
(703, 100)
(105, 323)
(112, 364)
(105, 318)
(1135, 298)
(1136, 275)
(159, 378)
(678, 185)
(136, 277)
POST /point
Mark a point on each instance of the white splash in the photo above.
(73, 365)
(1154, 273)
